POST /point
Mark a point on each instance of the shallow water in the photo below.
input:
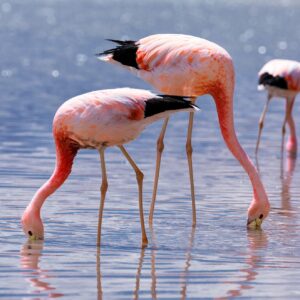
(47, 56)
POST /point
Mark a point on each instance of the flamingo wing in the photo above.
(164, 103)
(269, 79)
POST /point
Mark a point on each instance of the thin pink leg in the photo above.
(160, 149)
(261, 122)
(139, 178)
(103, 190)
(288, 119)
(189, 152)
(291, 145)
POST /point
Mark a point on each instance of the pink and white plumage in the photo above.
(179, 64)
(98, 120)
(187, 65)
(105, 118)
(281, 78)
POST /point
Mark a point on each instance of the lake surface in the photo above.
(47, 56)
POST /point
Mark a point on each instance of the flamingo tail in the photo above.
(125, 53)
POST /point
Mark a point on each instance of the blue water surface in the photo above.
(47, 56)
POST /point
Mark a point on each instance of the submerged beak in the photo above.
(34, 238)
(254, 224)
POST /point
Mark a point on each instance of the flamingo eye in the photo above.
(261, 216)
(30, 233)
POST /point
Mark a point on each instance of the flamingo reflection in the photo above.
(287, 173)
(137, 279)
(138, 274)
(30, 255)
(153, 260)
(99, 275)
(187, 264)
(257, 240)
(287, 169)
(188, 256)
(140, 265)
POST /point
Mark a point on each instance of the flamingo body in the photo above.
(186, 65)
(104, 118)
(175, 64)
(281, 78)
(98, 120)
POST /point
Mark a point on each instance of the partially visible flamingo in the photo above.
(186, 65)
(281, 78)
(98, 120)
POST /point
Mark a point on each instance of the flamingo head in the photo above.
(257, 212)
(32, 225)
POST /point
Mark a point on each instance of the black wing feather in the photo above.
(125, 53)
(164, 103)
(277, 81)
(121, 42)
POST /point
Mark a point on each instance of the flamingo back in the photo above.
(178, 64)
(102, 118)
(112, 117)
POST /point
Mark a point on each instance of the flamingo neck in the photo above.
(65, 155)
(224, 105)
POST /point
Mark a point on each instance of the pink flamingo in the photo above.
(281, 78)
(186, 65)
(98, 120)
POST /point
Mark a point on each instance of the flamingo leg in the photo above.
(139, 177)
(292, 143)
(287, 117)
(261, 122)
(103, 190)
(189, 152)
(160, 149)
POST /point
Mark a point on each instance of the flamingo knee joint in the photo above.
(261, 125)
(104, 187)
(189, 148)
(139, 176)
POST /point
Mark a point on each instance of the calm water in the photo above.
(47, 56)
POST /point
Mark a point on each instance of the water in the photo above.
(47, 56)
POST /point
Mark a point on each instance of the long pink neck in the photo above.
(65, 154)
(224, 104)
